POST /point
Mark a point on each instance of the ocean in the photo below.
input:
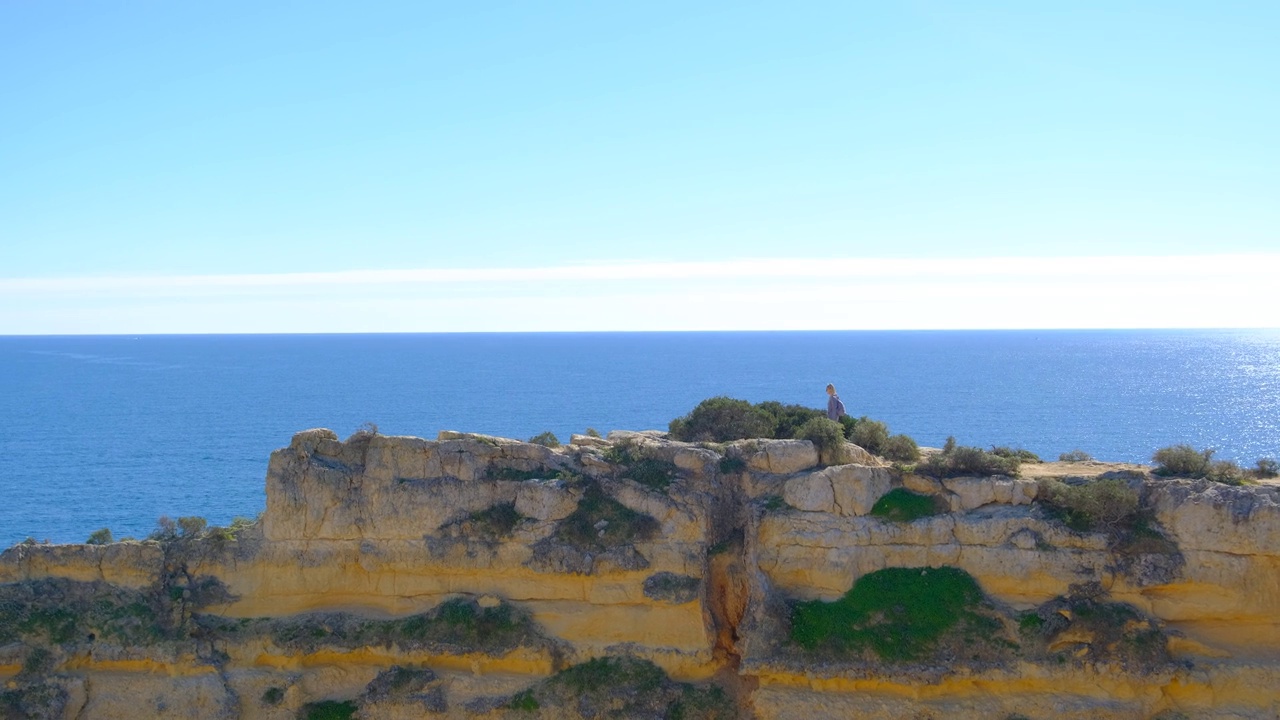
(114, 431)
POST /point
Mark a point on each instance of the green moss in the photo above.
(524, 701)
(902, 505)
(328, 710)
(899, 613)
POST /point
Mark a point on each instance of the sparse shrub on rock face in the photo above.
(624, 687)
(1101, 504)
(721, 419)
(546, 439)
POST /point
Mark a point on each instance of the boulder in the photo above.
(780, 457)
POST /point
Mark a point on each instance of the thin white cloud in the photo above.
(757, 294)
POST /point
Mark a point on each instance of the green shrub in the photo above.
(1022, 456)
(902, 449)
(773, 503)
(788, 419)
(870, 435)
(100, 537)
(1266, 468)
(328, 710)
(972, 461)
(1075, 456)
(826, 435)
(902, 505)
(1183, 461)
(1226, 472)
(949, 445)
(546, 439)
(899, 613)
(651, 472)
(721, 419)
(592, 432)
(1108, 503)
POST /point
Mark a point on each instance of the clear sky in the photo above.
(630, 165)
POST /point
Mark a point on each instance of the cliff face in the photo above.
(476, 576)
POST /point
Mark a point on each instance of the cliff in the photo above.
(474, 576)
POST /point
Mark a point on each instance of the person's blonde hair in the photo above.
(831, 388)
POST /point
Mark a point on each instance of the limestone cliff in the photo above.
(475, 576)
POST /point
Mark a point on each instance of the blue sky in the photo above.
(159, 143)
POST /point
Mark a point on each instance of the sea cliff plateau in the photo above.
(637, 576)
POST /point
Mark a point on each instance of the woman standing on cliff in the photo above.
(835, 408)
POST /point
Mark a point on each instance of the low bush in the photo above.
(1183, 461)
(1075, 456)
(961, 461)
(1226, 472)
(898, 613)
(624, 687)
(902, 505)
(648, 471)
(546, 439)
(100, 537)
(870, 435)
(721, 419)
(826, 435)
(1266, 468)
(788, 419)
(592, 432)
(1101, 504)
(902, 449)
(1022, 456)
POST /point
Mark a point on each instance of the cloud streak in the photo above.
(750, 294)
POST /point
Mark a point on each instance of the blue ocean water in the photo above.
(117, 431)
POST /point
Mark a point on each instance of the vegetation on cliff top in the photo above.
(723, 419)
(958, 460)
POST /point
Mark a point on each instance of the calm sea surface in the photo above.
(116, 431)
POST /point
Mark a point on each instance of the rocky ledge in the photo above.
(636, 576)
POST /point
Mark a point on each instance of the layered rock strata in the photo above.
(461, 577)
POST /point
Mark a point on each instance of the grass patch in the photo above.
(902, 505)
(897, 613)
(648, 471)
(524, 701)
(600, 522)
